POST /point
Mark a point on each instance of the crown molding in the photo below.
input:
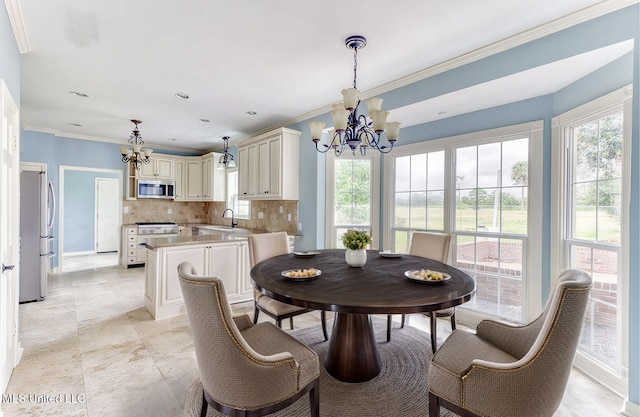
(17, 24)
(538, 32)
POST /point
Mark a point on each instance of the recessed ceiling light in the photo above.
(182, 95)
(78, 94)
(173, 139)
(205, 120)
(75, 124)
(442, 113)
(251, 113)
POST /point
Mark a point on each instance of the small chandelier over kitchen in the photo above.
(136, 156)
(226, 160)
(354, 131)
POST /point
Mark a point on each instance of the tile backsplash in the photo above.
(275, 213)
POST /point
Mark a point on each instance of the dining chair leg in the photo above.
(453, 320)
(314, 399)
(323, 318)
(279, 323)
(434, 406)
(434, 334)
(402, 322)
(205, 406)
(255, 314)
(388, 327)
(291, 322)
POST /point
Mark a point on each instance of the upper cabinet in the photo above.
(159, 167)
(196, 177)
(268, 166)
(203, 181)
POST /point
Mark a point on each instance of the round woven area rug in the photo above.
(399, 391)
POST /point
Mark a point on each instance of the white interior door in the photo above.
(9, 225)
(107, 218)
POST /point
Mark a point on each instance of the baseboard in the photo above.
(629, 409)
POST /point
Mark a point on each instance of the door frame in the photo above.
(62, 171)
(9, 109)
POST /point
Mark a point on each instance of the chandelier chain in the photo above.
(355, 66)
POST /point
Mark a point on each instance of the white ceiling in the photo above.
(279, 58)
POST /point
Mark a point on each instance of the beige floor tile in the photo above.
(94, 345)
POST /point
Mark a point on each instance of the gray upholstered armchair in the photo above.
(505, 371)
(245, 369)
(264, 246)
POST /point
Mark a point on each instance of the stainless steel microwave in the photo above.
(155, 189)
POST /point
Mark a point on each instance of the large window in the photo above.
(352, 197)
(590, 226)
(484, 189)
(491, 222)
(419, 196)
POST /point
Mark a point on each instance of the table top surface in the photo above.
(380, 287)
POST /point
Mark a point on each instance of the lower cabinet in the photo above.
(228, 261)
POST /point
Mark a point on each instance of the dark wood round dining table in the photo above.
(380, 287)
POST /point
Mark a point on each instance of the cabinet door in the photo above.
(264, 180)
(179, 189)
(246, 287)
(225, 264)
(243, 171)
(207, 179)
(248, 171)
(274, 166)
(164, 168)
(170, 291)
(148, 170)
(194, 180)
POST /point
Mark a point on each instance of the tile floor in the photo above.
(91, 349)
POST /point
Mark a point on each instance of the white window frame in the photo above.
(230, 200)
(532, 266)
(330, 230)
(621, 99)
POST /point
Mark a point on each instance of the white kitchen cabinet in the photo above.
(193, 181)
(247, 172)
(213, 179)
(227, 260)
(159, 167)
(179, 190)
(130, 253)
(202, 181)
(269, 166)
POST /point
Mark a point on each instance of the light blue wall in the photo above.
(56, 151)
(79, 209)
(606, 30)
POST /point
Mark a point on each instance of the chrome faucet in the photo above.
(233, 223)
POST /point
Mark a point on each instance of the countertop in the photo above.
(214, 233)
(163, 242)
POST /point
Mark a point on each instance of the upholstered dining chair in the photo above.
(267, 245)
(503, 370)
(245, 369)
(433, 246)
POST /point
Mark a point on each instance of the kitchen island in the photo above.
(219, 251)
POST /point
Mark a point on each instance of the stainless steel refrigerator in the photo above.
(36, 222)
